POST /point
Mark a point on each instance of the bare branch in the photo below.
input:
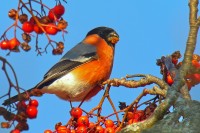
(145, 80)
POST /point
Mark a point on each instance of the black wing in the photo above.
(78, 55)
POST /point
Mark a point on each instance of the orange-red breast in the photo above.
(80, 72)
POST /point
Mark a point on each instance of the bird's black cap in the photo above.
(101, 31)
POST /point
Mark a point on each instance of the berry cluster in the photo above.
(25, 111)
(81, 124)
(171, 62)
(49, 24)
(80, 121)
(9, 44)
(140, 115)
(193, 79)
(135, 116)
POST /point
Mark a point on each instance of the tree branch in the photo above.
(173, 91)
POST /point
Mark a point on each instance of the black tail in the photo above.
(25, 95)
(31, 92)
(22, 96)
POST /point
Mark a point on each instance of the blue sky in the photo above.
(147, 29)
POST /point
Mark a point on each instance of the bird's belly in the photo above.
(69, 88)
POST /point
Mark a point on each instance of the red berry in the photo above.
(195, 63)
(51, 29)
(132, 121)
(91, 125)
(81, 129)
(169, 79)
(31, 111)
(62, 129)
(130, 115)
(109, 123)
(138, 114)
(37, 29)
(76, 112)
(194, 78)
(15, 131)
(33, 102)
(59, 10)
(99, 129)
(14, 42)
(83, 121)
(72, 131)
(48, 131)
(109, 130)
(27, 27)
(52, 15)
(174, 61)
(4, 44)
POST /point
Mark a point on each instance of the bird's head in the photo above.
(108, 34)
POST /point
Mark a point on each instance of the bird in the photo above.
(79, 74)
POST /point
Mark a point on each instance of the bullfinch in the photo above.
(81, 71)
